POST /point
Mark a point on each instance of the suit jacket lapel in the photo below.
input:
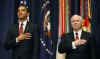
(72, 36)
(83, 35)
(27, 27)
(17, 29)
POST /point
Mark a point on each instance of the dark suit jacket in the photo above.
(26, 49)
(86, 51)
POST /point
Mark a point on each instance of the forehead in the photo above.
(76, 17)
(22, 7)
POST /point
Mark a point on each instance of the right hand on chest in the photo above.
(24, 36)
(79, 42)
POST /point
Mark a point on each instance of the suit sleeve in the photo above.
(92, 46)
(10, 41)
(65, 45)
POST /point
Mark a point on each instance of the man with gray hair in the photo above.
(78, 44)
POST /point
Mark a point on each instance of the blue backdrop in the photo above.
(6, 17)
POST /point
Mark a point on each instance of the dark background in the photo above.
(97, 26)
(7, 14)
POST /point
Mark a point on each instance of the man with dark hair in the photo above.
(77, 44)
(23, 38)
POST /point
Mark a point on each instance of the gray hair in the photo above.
(77, 15)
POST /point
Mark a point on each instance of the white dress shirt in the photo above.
(79, 35)
(24, 26)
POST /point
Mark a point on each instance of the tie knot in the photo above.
(22, 24)
(77, 38)
(76, 33)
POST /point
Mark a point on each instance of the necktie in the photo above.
(77, 37)
(21, 29)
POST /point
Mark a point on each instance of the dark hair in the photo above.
(25, 7)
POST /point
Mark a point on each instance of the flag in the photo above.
(48, 30)
(64, 16)
(64, 22)
(85, 12)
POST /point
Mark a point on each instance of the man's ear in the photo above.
(82, 22)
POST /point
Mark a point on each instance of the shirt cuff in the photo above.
(17, 40)
(73, 45)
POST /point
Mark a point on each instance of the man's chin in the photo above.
(20, 17)
(76, 28)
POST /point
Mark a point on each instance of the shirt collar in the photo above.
(24, 23)
(78, 31)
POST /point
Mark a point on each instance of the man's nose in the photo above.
(75, 22)
(20, 12)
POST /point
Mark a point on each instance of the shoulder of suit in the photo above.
(89, 33)
(36, 26)
(33, 24)
(12, 25)
(67, 34)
